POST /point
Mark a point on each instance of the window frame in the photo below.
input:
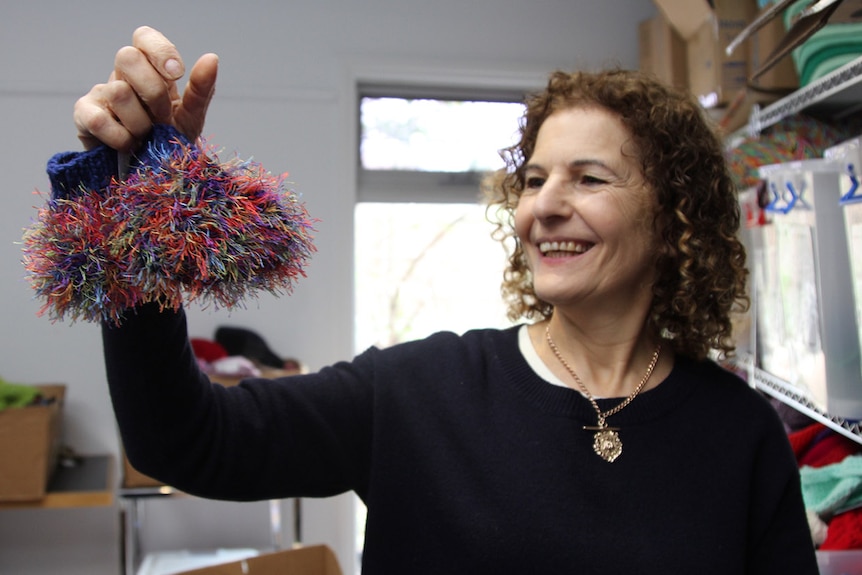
(422, 186)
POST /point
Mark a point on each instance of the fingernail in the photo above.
(174, 68)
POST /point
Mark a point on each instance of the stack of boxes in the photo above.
(684, 45)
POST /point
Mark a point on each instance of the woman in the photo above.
(597, 439)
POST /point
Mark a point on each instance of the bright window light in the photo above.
(422, 268)
(435, 135)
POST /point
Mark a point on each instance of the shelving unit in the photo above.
(794, 397)
(89, 483)
(132, 498)
(835, 96)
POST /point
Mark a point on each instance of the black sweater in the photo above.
(470, 463)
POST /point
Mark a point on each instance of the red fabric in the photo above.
(208, 350)
(816, 446)
(845, 531)
(801, 440)
(832, 448)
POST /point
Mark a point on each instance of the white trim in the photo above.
(412, 186)
(448, 75)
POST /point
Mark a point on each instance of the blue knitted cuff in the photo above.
(74, 173)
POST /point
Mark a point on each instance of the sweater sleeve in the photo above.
(261, 439)
(304, 435)
(779, 537)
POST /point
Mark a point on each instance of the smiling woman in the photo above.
(699, 260)
(584, 218)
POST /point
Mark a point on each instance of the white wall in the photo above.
(286, 97)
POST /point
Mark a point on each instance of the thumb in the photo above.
(191, 113)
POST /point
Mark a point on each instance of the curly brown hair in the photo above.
(702, 277)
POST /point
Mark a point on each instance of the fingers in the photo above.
(142, 90)
(151, 66)
(190, 114)
(111, 113)
(132, 66)
(161, 53)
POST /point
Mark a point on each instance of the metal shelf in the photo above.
(836, 95)
(795, 398)
(86, 483)
(131, 497)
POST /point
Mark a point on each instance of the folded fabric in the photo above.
(236, 366)
(13, 395)
(248, 343)
(795, 137)
(819, 529)
(831, 447)
(802, 439)
(844, 532)
(833, 489)
(830, 58)
(829, 48)
(207, 350)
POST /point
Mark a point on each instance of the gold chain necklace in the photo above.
(606, 441)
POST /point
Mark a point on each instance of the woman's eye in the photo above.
(534, 182)
(592, 180)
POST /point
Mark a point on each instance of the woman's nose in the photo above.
(552, 199)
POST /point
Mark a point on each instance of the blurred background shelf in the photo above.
(836, 95)
(87, 483)
(794, 397)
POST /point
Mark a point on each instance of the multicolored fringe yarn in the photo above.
(187, 227)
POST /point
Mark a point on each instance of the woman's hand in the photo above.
(142, 90)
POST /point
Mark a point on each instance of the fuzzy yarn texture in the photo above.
(183, 226)
(796, 137)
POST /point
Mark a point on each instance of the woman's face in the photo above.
(585, 216)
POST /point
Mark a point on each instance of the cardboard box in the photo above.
(713, 76)
(782, 76)
(30, 444)
(662, 52)
(686, 16)
(312, 560)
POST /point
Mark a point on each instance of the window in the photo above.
(431, 145)
(429, 135)
(425, 259)
(422, 268)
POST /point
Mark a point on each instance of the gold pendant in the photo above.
(607, 444)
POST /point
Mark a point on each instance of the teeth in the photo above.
(573, 247)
